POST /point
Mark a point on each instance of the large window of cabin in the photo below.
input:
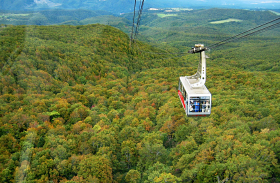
(199, 104)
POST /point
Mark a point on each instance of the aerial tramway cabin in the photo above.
(194, 95)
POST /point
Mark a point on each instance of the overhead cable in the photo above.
(132, 30)
(249, 34)
(255, 30)
(141, 5)
(135, 28)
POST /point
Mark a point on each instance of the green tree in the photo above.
(132, 176)
(96, 166)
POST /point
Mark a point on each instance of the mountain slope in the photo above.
(78, 104)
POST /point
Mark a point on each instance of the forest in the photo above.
(82, 104)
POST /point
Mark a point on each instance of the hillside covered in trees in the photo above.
(78, 104)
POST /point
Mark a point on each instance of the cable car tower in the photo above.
(194, 95)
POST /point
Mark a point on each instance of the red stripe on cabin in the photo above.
(182, 99)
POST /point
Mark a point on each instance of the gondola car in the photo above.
(194, 95)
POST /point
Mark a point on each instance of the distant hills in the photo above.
(152, 17)
(49, 17)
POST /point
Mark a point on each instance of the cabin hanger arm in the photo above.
(198, 79)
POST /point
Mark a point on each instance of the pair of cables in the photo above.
(135, 26)
(261, 28)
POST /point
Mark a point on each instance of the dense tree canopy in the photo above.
(78, 104)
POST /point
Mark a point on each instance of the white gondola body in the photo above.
(196, 101)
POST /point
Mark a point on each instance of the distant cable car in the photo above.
(194, 95)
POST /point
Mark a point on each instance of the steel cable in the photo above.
(246, 35)
(234, 37)
(135, 29)
(132, 30)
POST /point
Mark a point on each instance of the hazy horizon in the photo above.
(125, 6)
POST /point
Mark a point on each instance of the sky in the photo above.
(275, 4)
(259, 1)
(239, 1)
